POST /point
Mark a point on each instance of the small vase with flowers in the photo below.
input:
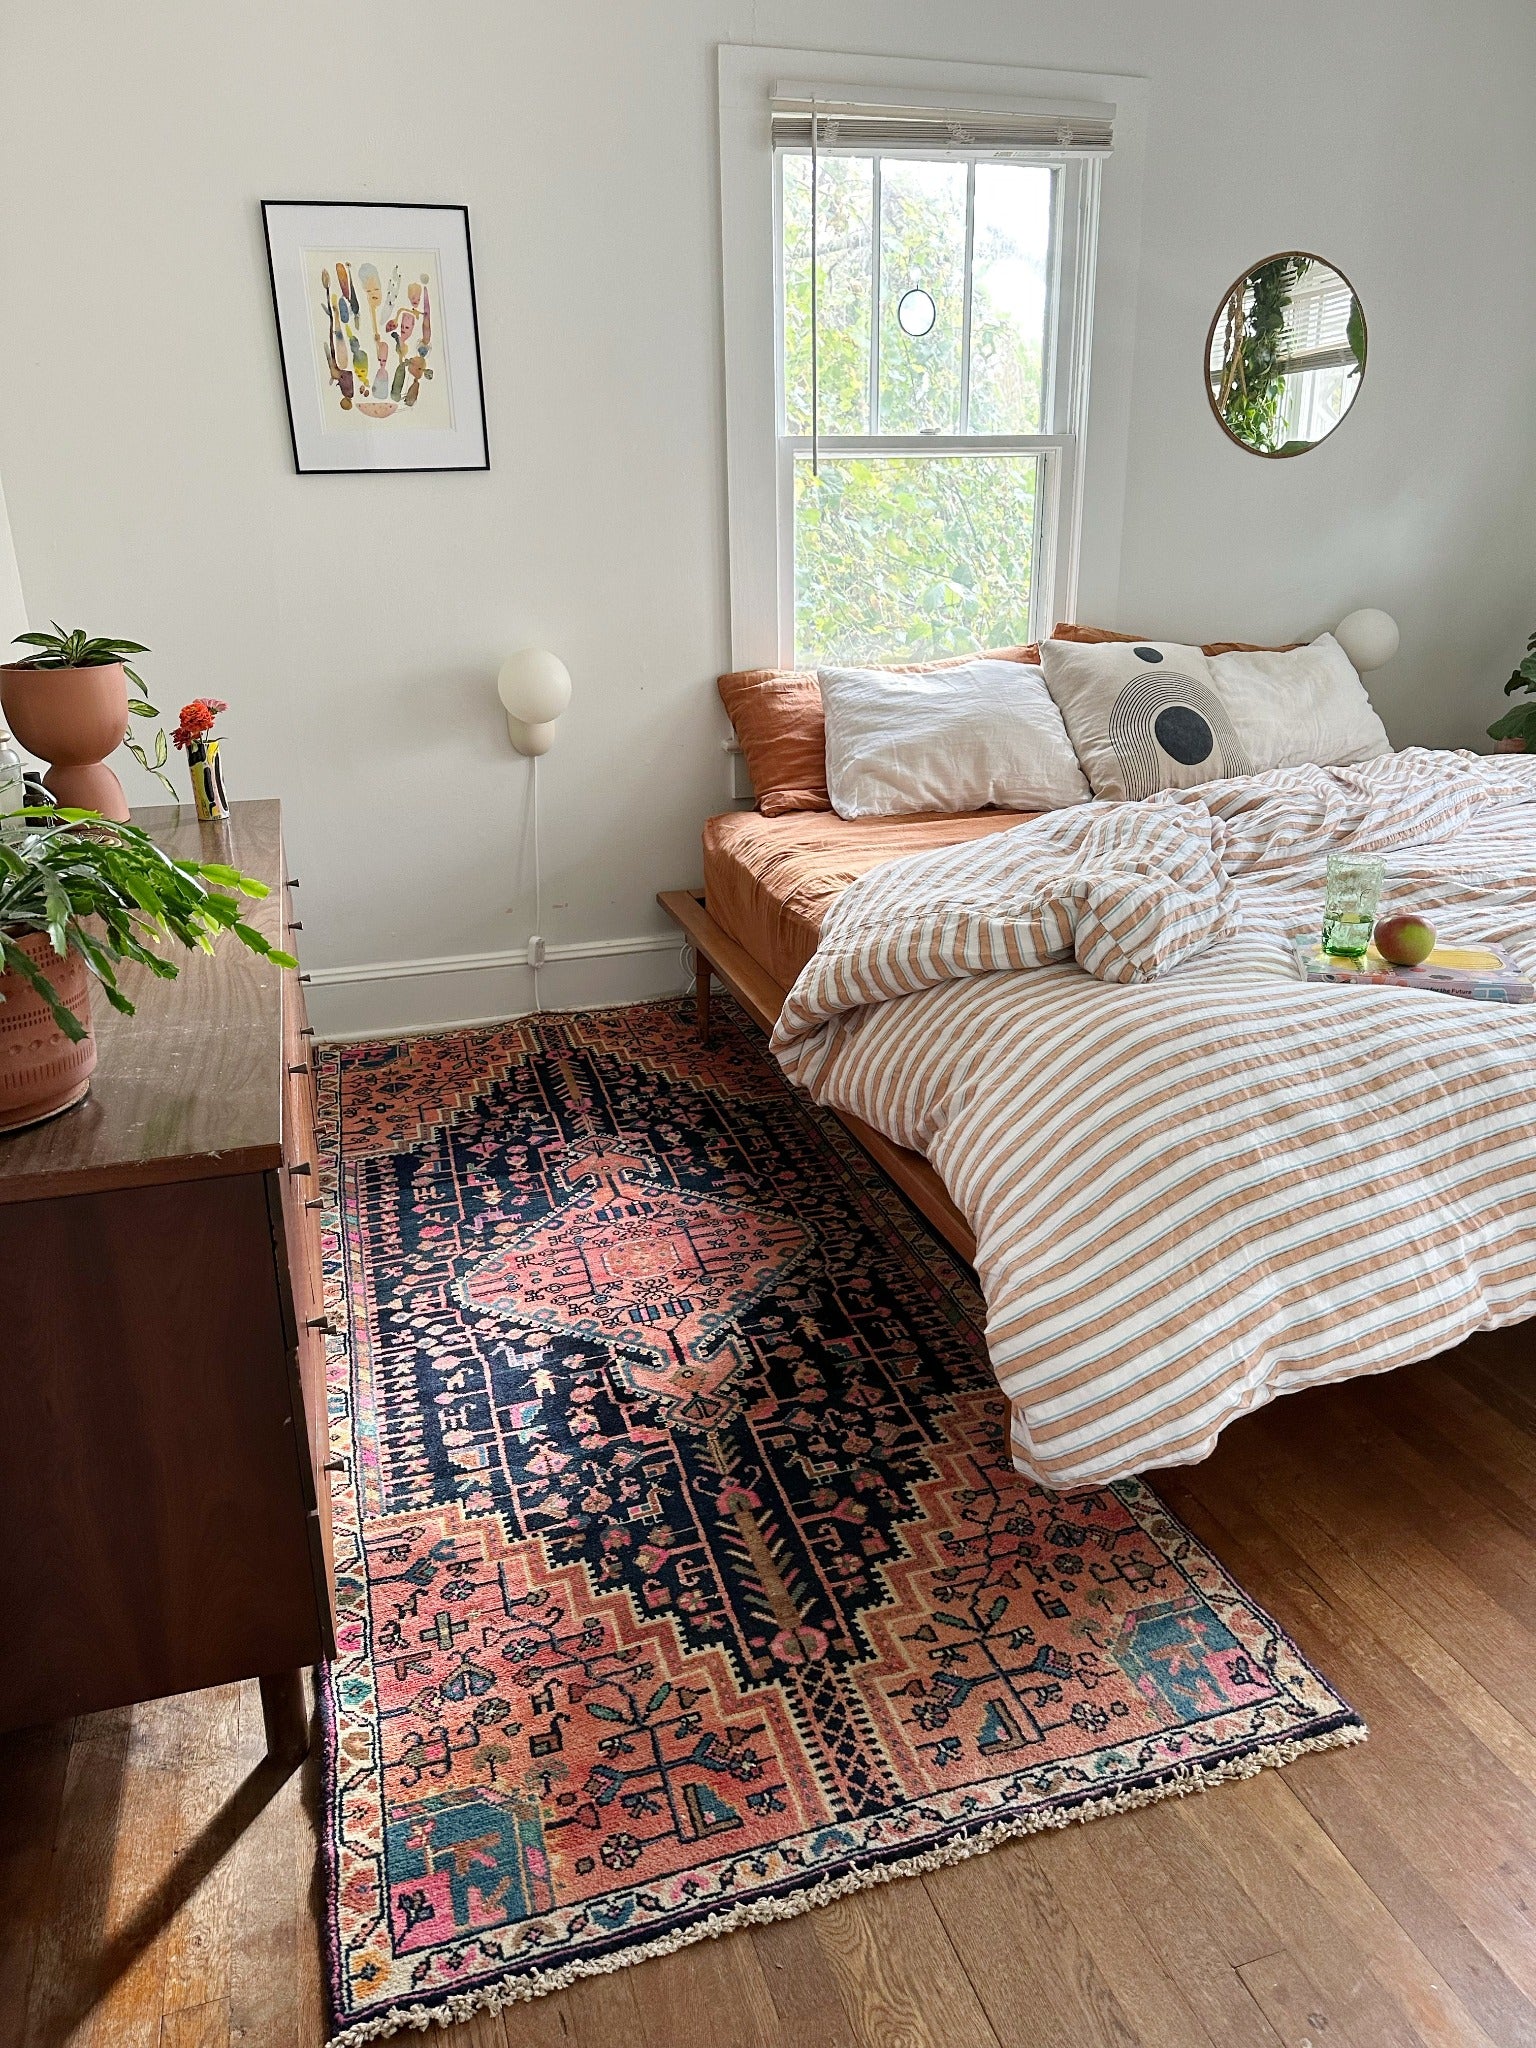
(194, 735)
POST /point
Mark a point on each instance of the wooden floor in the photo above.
(158, 1884)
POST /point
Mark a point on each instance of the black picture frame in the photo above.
(297, 344)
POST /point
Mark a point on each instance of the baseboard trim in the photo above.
(395, 998)
(461, 963)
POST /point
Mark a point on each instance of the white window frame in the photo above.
(1080, 502)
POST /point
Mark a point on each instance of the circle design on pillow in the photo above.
(1170, 732)
(1147, 653)
(1183, 733)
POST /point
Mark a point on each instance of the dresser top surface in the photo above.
(192, 1084)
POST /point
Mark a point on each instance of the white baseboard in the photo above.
(379, 997)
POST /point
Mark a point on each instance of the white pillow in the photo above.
(1144, 715)
(949, 739)
(1302, 706)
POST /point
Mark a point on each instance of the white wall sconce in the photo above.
(535, 689)
(1368, 637)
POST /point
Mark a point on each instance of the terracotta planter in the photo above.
(73, 718)
(42, 1071)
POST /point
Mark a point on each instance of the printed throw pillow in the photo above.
(1144, 715)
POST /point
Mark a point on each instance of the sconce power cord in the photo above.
(536, 943)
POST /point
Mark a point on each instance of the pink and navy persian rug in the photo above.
(684, 1578)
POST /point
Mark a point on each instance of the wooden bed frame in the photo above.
(720, 957)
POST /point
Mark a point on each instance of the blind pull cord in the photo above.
(815, 308)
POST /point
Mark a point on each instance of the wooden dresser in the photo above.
(164, 1493)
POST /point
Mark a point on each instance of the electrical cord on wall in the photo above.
(536, 943)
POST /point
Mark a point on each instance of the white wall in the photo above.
(355, 623)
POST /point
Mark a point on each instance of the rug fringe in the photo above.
(505, 1991)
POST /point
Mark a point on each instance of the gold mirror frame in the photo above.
(1239, 283)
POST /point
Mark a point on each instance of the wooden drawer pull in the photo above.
(290, 881)
(315, 1202)
(295, 924)
(301, 1068)
(336, 1465)
(321, 1323)
(306, 1031)
(303, 1166)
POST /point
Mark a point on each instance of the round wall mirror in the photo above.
(1285, 357)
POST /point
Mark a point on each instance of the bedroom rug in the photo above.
(684, 1579)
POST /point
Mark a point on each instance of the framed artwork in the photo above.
(375, 307)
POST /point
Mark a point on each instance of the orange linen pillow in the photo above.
(777, 716)
(1097, 636)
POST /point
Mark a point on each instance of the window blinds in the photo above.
(846, 125)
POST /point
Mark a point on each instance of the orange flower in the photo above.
(197, 719)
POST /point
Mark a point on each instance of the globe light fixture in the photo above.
(535, 688)
(1368, 637)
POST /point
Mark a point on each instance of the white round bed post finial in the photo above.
(535, 690)
(1369, 637)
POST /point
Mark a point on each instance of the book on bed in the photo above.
(1485, 973)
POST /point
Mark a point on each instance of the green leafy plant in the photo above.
(1251, 392)
(59, 649)
(109, 893)
(1519, 722)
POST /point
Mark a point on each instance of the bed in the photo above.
(1189, 1194)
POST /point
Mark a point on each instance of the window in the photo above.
(933, 286)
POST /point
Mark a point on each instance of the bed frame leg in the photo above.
(702, 973)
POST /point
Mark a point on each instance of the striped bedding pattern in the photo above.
(1196, 1181)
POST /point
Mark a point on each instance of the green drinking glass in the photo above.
(1350, 904)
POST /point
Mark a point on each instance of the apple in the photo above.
(1405, 938)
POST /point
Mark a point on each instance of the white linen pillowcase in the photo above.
(948, 740)
(1296, 707)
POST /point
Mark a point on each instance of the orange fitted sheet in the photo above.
(770, 881)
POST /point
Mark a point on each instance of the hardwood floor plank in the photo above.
(598, 2010)
(803, 1984)
(200, 1937)
(1203, 1931)
(716, 1999)
(531, 2023)
(1028, 1964)
(75, 1899)
(1334, 1991)
(1461, 1435)
(1294, 2006)
(1400, 1485)
(1142, 1979)
(899, 1976)
(197, 2026)
(1496, 1367)
(1287, 1832)
(270, 1903)
(34, 1763)
(1400, 1805)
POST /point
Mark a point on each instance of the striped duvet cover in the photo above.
(1197, 1181)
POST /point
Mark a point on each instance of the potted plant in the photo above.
(79, 895)
(1515, 732)
(69, 704)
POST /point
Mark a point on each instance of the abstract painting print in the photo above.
(376, 321)
(381, 349)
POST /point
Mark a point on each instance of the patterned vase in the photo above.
(207, 779)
